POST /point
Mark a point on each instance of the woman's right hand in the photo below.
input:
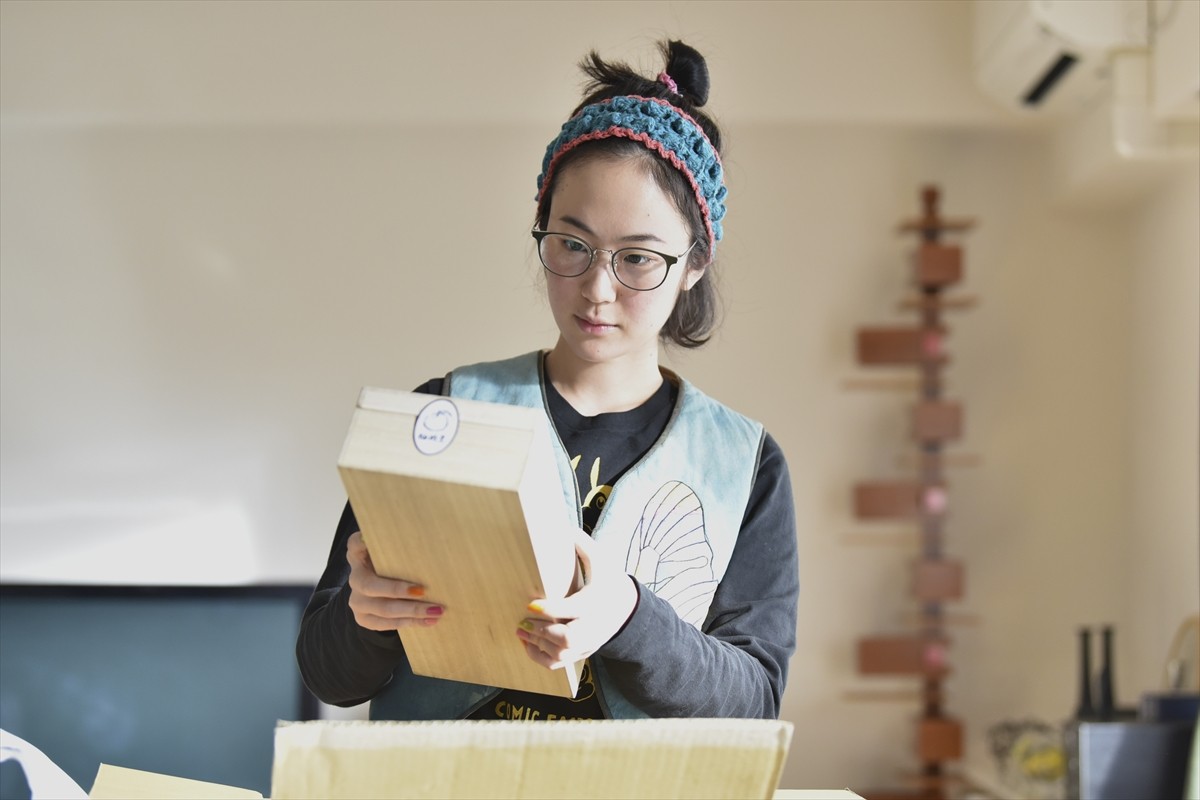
(384, 604)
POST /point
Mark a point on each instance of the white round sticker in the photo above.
(435, 426)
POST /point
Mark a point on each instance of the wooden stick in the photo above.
(901, 383)
(920, 225)
(953, 618)
(934, 782)
(960, 303)
(888, 538)
(881, 695)
(948, 459)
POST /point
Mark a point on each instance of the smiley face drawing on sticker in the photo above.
(435, 426)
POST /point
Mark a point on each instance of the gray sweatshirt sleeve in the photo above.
(342, 663)
(736, 665)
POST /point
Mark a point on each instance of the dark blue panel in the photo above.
(183, 681)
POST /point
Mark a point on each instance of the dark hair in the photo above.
(696, 311)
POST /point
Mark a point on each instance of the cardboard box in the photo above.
(650, 758)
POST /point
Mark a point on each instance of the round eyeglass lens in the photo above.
(640, 269)
(565, 255)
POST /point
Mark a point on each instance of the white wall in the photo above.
(1041, 366)
(1161, 542)
(475, 62)
(218, 221)
(188, 316)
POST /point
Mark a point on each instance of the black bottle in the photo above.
(1085, 710)
(1104, 684)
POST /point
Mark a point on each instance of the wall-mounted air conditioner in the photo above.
(1052, 56)
(1093, 68)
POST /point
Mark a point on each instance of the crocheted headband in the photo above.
(663, 129)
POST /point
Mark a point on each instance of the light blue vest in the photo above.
(675, 515)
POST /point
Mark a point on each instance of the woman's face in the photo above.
(611, 204)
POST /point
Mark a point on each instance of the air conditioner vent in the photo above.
(1051, 78)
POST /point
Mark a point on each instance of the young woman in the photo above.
(700, 618)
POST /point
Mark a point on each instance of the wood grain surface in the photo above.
(482, 525)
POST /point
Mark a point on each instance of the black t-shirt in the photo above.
(601, 448)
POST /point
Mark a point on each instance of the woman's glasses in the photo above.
(635, 267)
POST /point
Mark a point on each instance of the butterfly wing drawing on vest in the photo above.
(670, 553)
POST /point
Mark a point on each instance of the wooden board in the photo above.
(935, 421)
(898, 500)
(887, 500)
(900, 346)
(464, 498)
(937, 265)
(939, 739)
(902, 655)
(937, 580)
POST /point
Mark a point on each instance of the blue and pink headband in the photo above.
(662, 128)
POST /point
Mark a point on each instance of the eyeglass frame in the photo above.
(671, 260)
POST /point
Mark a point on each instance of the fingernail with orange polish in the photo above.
(535, 607)
(416, 591)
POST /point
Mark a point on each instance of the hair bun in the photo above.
(689, 70)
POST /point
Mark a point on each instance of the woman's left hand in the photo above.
(573, 628)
